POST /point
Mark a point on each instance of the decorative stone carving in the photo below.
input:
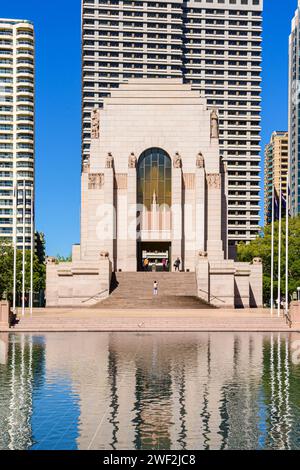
(96, 180)
(51, 260)
(257, 261)
(214, 180)
(177, 162)
(109, 161)
(200, 163)
(95, 134)
(225, 167)
(214, 125)
(202, 254)
(85, 166)
(132, 161)
(104, 255)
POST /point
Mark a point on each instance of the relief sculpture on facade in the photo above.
(96, 180)
(214, 180)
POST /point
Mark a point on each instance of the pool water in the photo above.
(190, 391)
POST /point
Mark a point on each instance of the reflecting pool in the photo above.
(150, 391)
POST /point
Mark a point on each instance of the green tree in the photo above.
(6, 271)
(63, 259)
(261, 247)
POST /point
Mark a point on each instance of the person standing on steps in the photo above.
(146, 264)
(164, 264)
(155, 288)
(177, 265)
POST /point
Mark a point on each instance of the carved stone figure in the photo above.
(109, 161)
(51, 260)
(96, 180)
(104, 255)
(257, 261)
(202, 254)
(177, 162)
(214, 180)
(95, 134)
(200, 163)
(214, 125)
(132, 161)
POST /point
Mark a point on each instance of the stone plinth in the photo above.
(295, 312)
(78, 284)
(4, 314)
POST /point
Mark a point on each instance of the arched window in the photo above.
(154, 175)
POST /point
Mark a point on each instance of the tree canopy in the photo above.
(261, 247)
(6, 271)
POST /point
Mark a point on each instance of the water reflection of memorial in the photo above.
(149, 391)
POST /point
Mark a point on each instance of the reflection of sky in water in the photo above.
(149, 391)
(55, 416)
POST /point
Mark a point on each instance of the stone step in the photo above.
(135, 290)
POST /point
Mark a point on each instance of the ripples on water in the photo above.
(149, 391)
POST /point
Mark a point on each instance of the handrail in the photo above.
(212, 298)
(94, 296)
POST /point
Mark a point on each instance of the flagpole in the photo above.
(15, 209)
(287, 222)
(272, 252)
(279, 248)
(31, 252)
(23, 259)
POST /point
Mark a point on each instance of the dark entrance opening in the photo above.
(158, 255)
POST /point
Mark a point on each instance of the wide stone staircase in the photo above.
(135, 290)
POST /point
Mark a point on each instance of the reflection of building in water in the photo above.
(3, 348)
(16, 385)
(85, 361)
(177, 391)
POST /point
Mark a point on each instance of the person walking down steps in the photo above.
(155, 288)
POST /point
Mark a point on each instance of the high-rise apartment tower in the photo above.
(16, 130)
(294, 110)
(276, 168)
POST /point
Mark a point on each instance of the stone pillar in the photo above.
(202, 276)
(295, 312)
(200, 189)
(105, 272)
(214, 217)
(256, 283)
(4, 314)
(177, 216)
(109, 215)
(132, 222)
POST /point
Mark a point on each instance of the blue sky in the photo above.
(58, 104)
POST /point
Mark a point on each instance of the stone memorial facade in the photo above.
(154, 186)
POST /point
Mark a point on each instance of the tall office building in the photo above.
(276, 168)
(294, 110)
(213, 44)
(16, 128)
